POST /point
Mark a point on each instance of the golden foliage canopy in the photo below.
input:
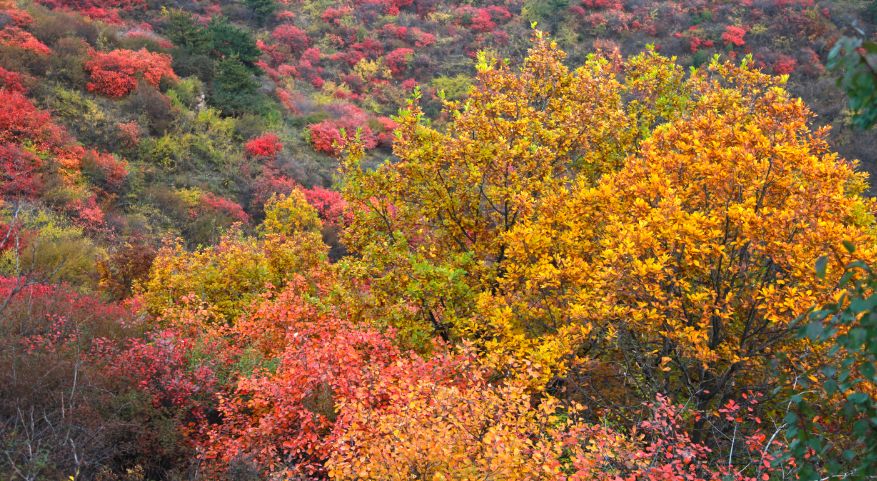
(622, 210)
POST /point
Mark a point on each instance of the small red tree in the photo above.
(397, 60)
(329, 204)
(221, 205)
(335, 14)
(283, 421)
(88, 212)
(421, 38)
(12, 81)
(129, 132)
(265, 145)
(115, 74)
(105, 168)
(21, 121)
(325, 137)
(290, 35)
(734, 35)
(481, 21)
(785, 65)
(18, 38)
(163, 366)
(20, 174)
(388, 127)
(270, 182)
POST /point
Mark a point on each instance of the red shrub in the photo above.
(164, 366)
(695, 43)
(734, 35)
(395, 5)
(352, 58)
(269, 183)
(312, 55)
(329, 204)
(115, 74)
(110, 16)
(17, 17)
(88, 211)
(20, 174)
(789, 3)
(91, 4)
(285, 421)
(292, 36)
(784, 65)
(397, 60)
(265, 145)
(500, 13)
(285, 97)
(11, 81)
(598, 4)
(370, 47)
(285, 15)
(664, 450)
(388, 126)
(421, 38)
(106, 167)
(399, 31)
(325, 136)
(224, 206)
(481, 21)
(50, 316)
(16, 37)
(408, 84)
(153, 365)
(130, 132)
(334, 15)
(21, 121)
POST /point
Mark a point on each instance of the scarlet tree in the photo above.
(116, 73)
(265, 145)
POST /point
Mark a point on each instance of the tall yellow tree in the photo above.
(688, 266)
(625, 226)
(429, 227)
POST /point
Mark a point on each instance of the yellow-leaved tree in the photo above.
(689, 265)
(624, 226)
(429, 228)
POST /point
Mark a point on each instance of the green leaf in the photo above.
(858, 398)
(830, 386)
(814, 329)
(821, 264)
(849, 246)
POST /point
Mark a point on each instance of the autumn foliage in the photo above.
(284, 422)
(272, 240)
(39, 157)
(266, 145)
(733, 35)
(116, 73)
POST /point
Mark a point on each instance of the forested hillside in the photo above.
(438, 240)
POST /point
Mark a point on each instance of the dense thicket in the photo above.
(406, 239)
